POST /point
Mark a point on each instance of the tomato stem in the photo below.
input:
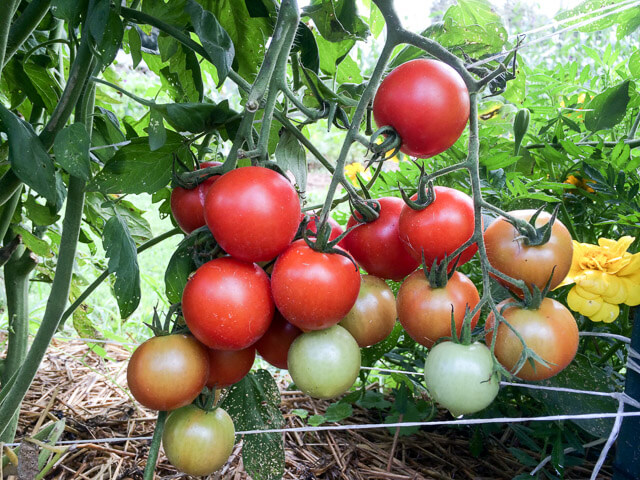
(154, 448)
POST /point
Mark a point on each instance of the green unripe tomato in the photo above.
(459, 377)
(198, 442)
(324, 363)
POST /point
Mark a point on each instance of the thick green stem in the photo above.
(5, 25)
(154, 448)
(634, 127)
(8, 210)
(16, 276)
(25, 25)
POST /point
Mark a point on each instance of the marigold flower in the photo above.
(582, 183)
(605, 275)
(353, 169)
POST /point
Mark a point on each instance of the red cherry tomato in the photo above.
(425, 312)
(274, 345)
(168, 372)
(253, 213)
(438, 230)
(227, 304)
(336, 230)
(376, 245)
(550, 331)
(427, 103)
(314, 290)
(227, 367)
(187, 205)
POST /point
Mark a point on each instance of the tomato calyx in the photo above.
(322, 243)
(532, 297)
(160, 328)
(425, 194)
(388, 148)
(364, 210)
(191, 179)
(531, 235)
(209, 400)
(440, 272)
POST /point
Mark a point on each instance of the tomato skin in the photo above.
(227, 367)
(373, 316)
(427, 103)
(227, 304)
(438, 230)
(459, 377)
(324, 363)
(168, 372)
(551, 332)
(508, 253)
(253, 213)
(198, 442)
(425, 312)
(313, 290)
(187, 205)
(376, 245)
(274, 345)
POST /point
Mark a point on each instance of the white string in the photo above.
(566, 450)
(606, 335)
(116, 145)
(612, 438)
(551, 35)
(631, 361)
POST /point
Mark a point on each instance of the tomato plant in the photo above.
(253, 213)
(549, 330)
(324, 363)
(227, 304)
(227, 367)
(425, 311)
(168, 372)
(460, 377)
(314, 290)
(427, 102)
(187, 205)
(508, 251)
(336, 230)
(376, 245)
(274, 345)
(373, 316)
(198, 442)
(439, 229)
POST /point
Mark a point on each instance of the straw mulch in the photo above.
(90, 394)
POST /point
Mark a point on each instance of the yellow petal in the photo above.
(633, 292)
(586, 294)
(633, 267)
(616, 291)
(593, 281)
(582, 305)
(607, 313)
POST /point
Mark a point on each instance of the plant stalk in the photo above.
(152, 457)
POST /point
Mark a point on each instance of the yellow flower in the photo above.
(605, 275)
(582, 183)
(354, 168)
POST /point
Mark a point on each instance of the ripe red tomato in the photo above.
(441, 228)
(187, 205)
(198, 442)
(274, 345)
(425, 312)
(336, 230)
(253, 213)
(168, 372)
(550, 331)
(427, 103)
(374, 314)
(376, 245)
(227, 304)
(508, 252)
(324, 363)
(314, 290)
(227, 367)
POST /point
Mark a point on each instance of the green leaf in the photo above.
(581, 375)
(29, 160)
(333, 53)
(608, 108)
(290, 155)
(316, 420)
(69, 10)
(372, 354)
(253, 404)
(111, 40)
(97, 211)
(121, 251)
(194, 250)
(44, 84)
(172, 12)
(135, 45)
(157, 132)
(634, 64)
(337, 20)
(373, 399)
(196, 117)
(336, 412)
(136, 169)
(300, 412)
(98, 20)
(305, 43)
(214, 38)
(41, 215)
(33, 243)
(71, 148)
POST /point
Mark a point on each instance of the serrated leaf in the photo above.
(316, 420)
(157, 132)
(290, 155)
(337, 412)
(71, 148)
(29, 159)
(253, 404)
(196, 117)
(337, 20)
(37, 245)
(121, 251)
(214, 38)
(136, 169)
(608, 108)
(97, 212)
